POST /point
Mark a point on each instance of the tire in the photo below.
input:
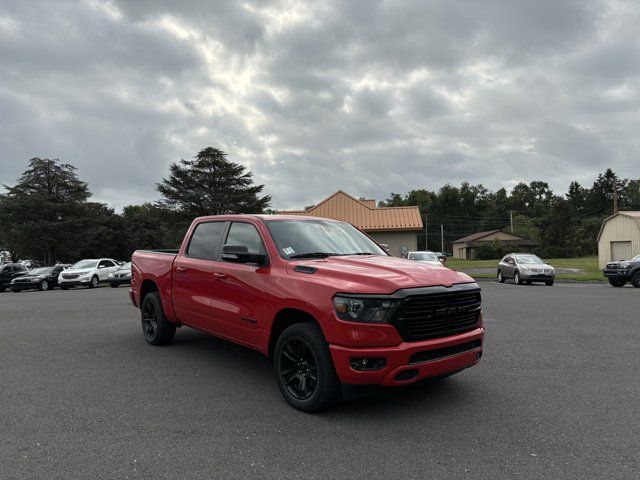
(516, 278)
(304, 369)
(635, 280)
(528, 282)
(548, 283)
(114, 285)
(64, 287)
(95, 282)
(500, 278)
(157, 330)
(43, 286)
(617, 282)
(16, 291)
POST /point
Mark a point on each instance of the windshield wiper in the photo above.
(313, 255)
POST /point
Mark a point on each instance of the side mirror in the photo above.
(240, 254)
(385, 247)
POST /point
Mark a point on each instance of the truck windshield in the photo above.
(319, 238)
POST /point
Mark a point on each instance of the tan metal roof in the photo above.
(364, 214)
(635, 214)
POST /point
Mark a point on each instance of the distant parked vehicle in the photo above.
(623, 271)
(41, 278)
(8, 271)
(29, 263)
(430, 258)
(122, 276)
(525, 268)
(88, 272)
(442, 257)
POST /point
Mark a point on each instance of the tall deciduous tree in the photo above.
(211, 185)
(41, 214)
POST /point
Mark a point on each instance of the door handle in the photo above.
(181, 269)
(219, 275)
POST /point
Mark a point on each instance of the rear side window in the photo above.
(245, 234)
(205, 240)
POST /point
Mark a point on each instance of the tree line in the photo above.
(48, 214)
(564, 225)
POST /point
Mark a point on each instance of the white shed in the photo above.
(619, 237)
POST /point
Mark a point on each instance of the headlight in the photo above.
(625, 264)
(364, 310)
(111, 275)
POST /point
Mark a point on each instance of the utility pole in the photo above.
(615, 196)
(426, 232)
(511, 219)
(442, 237)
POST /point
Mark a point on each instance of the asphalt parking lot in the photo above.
(556, 395)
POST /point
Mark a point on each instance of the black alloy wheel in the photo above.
(635, 280)
(156, 328)
(298, 369)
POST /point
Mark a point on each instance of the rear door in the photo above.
(193, 281)
(239, 293)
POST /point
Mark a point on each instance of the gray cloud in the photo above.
(367, 96)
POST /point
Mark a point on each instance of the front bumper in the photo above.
(398, 360)
(119, 281)
(24, 286)
(616, 274)
(73, 283)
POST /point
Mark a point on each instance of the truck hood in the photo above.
(377, 273)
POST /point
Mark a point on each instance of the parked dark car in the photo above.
(122, 276)
(41, 278)
(623, 271)
(8, 271)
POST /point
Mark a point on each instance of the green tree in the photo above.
(42, 215)
(210, 185)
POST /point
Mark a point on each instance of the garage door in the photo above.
(620, 251)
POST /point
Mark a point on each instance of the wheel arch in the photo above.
(146, 288)
(283, 320)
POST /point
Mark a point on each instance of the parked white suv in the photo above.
(88, 272)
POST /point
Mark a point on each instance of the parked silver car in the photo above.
(525, 268)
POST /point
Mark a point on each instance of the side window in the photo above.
(205, 241)
(103, 263)
(246, 235)
(109, 263)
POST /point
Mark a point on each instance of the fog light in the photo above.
(368, 364)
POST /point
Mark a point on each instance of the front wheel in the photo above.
(635, 280)
(500, 277)
(304, 369)
(44, 286)
(548, 283)
(114, 285)
(156, 328)
(617, 282)
(95, 281)
(516, 278)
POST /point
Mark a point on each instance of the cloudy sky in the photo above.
(367, 96)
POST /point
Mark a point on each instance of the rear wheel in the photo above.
(304, 369)
(15, 290)
(156, 328)
(635, 280)
(617, 282)
(114, 285)
(516, 278)
(64, 287)
(548, 283)
(95, 281)
(500, 277)
(43, 286)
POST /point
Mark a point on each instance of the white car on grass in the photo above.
(427, 257)
(88, 272)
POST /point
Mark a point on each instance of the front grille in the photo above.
(70, 276)
(437, 353)
(438, 314)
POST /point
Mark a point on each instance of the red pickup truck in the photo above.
(319, 297)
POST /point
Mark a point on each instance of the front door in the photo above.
(238, 294)
(193, 281)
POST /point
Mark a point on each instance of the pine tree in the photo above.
(211, 185)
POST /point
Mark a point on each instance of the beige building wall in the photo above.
(458, 250)
(618, 229)
(396, 240)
